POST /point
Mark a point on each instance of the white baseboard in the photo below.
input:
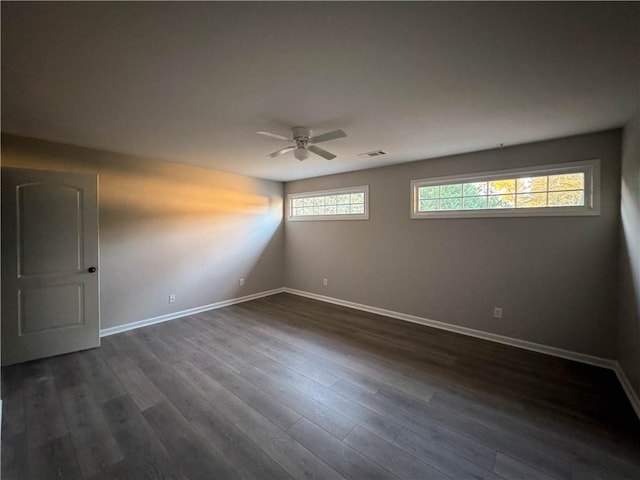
(514, 342)
(105, 332)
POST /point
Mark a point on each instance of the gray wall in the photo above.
(555, 277)
(629, 308)
(168, 228)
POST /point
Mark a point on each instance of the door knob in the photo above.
(91, 269)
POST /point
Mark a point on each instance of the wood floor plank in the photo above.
(15, 461)
(289, 387)
(441, 458)
(328, 419)
(509, 467)
(336, 453)
(13, 412)
(54, 459)
(319, 393)
(95, 447)
(170, 384)
(43, 412)
(270, 407)
(392, 457)
(291, 455)
(186, 446)
(66, 371)
(97, 374)
(143, 392)
(466, 446)
(143, 452)
(362, 362)
(572, 446)
(187, 350)
(230, 330)
(137, 469)
(246, 457)
(421, 416)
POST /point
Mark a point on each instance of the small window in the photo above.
(338, 204)
(552, 190)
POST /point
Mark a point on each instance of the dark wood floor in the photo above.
(287, 387)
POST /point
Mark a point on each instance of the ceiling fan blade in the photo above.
(273, 135)
(328, 136)
(282, 151)
(323, 153)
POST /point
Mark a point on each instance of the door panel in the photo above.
(54, 213)
(49, 242)
(33, 313)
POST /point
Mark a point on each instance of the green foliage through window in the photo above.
(541, 191)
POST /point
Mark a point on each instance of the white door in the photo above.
(49, 263)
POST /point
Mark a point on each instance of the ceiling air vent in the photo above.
(374, 153)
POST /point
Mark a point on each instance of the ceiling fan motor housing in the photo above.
(300, 133)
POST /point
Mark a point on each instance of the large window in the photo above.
(338, 204)
(567, 189)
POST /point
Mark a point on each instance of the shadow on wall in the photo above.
(630, 215)
(629, 305)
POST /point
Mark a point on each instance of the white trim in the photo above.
(590, 168)
(492, 337)
(336, 191)
(105, 332)
(627, 387)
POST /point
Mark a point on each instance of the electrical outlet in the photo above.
(497, 312)
(172, 298)
(242, 282)
(325, 282)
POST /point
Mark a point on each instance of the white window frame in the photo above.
(321, 193)
(591, 207)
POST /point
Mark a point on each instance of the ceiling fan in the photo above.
(304, 142)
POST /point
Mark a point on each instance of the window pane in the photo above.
(531, 200)
(451, 191)
(330, 200)
(474, 189)
(451, 203)
(357, 208)
(502, 201)
(428, 205)
(496, 193)
(343, 199)
(297, 202)
(357, 198)
(566, 199)
(297, 212)
(317, 201)
(532, 184)
(502, 186)
(567, 181)
(475, 203)
(342, 209)
(308, 211)
(308, 202)
(428, 192)
(330, 210)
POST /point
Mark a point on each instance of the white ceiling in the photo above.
(193, 82)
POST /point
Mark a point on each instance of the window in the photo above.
(339, 204)
(553, 190)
